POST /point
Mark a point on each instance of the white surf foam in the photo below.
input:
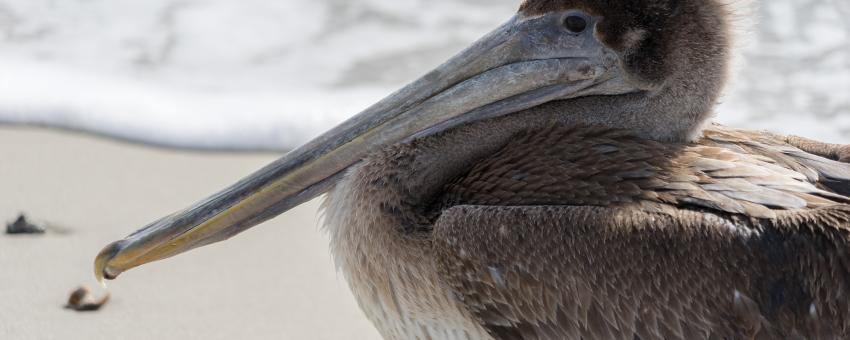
(258, 74)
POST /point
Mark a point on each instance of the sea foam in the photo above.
(265, 75)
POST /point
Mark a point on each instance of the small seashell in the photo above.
(82, 300)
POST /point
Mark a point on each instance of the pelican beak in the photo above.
(526, 62)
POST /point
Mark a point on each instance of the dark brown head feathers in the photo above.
(677, 51)
(656, 38)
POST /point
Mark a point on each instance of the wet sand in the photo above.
(275, 281)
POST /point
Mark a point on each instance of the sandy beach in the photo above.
(276, 281)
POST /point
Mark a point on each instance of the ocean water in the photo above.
(258, 74)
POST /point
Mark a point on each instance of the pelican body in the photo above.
(561, 179)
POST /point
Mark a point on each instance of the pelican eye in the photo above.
(576, 23)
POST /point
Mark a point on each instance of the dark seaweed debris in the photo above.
(22, 226)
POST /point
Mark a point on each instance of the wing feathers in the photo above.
(587, 233)
(611, 273)
(733, 171)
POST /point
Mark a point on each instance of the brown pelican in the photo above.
(558, 180)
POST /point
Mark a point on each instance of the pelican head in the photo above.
(653, 66)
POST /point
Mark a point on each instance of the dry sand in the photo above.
(275, 281)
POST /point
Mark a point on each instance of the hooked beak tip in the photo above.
(101, 263)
